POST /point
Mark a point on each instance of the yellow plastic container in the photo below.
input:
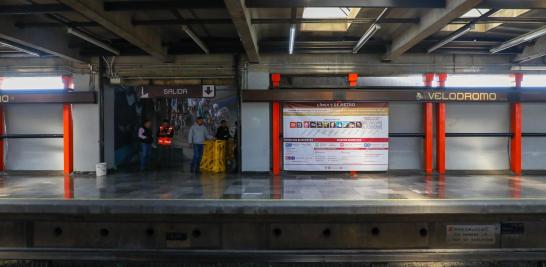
(214, 156)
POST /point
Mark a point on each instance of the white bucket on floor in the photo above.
(101, 169)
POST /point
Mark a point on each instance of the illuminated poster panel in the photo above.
(336, 136)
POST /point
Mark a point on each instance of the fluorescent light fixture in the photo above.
(195, 38)
(20, 49)
(292, 39)
(520, 39)
(528, 68)
(369, 33)
(450, 39)
(94, 41)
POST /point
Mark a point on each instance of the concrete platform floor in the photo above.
(299, 186)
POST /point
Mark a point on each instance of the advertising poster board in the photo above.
(336, 136)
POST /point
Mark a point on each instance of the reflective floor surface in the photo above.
(332, 186)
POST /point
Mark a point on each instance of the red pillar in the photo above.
(515, 144)
(2, 127)
(427, 125)
(68, 135)
(276, 127)
(352, 78)
(441, 129)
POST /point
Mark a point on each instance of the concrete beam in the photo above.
(431, 22)
(241, 19)
(53, 41)
(537, 50)
(372, 64)
(120, 24)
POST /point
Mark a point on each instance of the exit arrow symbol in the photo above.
(208, 91)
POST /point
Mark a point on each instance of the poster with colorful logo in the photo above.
(336, 136)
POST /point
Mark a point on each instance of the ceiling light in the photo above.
(369, 33)
(520, 39)
(94, 41)
(292, 39)
(195, 38)
(20, 49)
(449, 39)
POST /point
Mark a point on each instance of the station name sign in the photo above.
(392, 94)
(456, 96)
(189, 91)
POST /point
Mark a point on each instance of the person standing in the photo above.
(145, 138)
(196, 137)
(222, 133)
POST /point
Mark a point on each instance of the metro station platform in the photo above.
(171, 216)
(302, 186)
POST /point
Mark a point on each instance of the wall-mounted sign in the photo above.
(336, 136)
(410, 94)
(46, 97)
(455, 96)
(186, 91)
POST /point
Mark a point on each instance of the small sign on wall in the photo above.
(472, 234)
(189, 91)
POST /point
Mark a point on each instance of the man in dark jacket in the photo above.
(222, 133)
(145, 138)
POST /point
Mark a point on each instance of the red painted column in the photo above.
(441, 129)
(2, 128)
(352, 78)
(276, 127)
(515, 144)
(427, 125)
(68, 134)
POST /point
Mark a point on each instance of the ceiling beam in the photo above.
(120, 24)
(514, 20)
(513, 4)
(355, 20)
(431, 22)
(241, 19)
(346, 3)
(24, 24)
(32, 9)
(161, 4)
(537, 50)
(51, 41)
(156, 22)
